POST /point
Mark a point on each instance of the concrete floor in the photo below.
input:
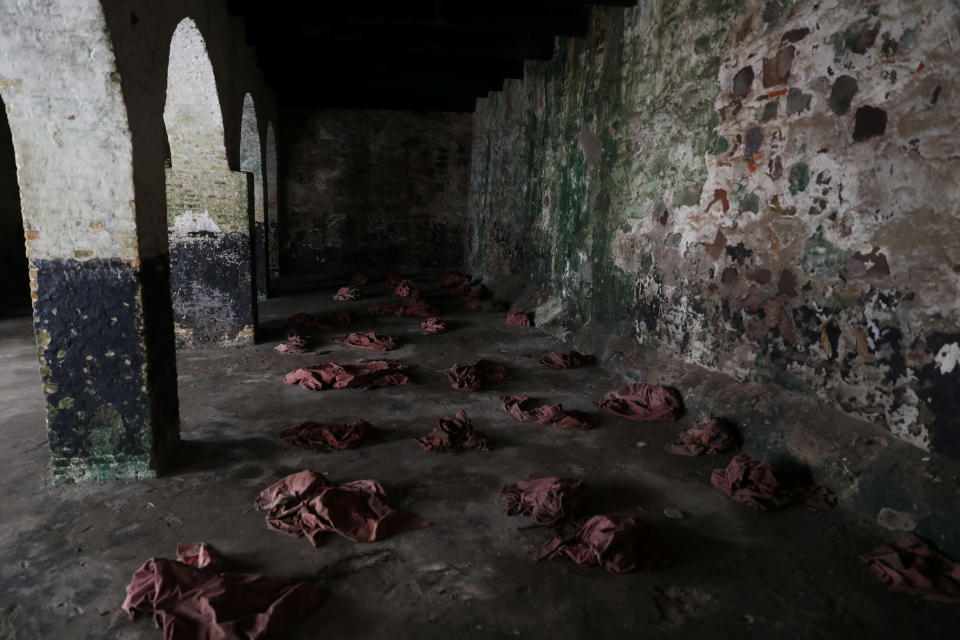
(67, 552)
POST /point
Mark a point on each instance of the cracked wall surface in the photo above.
(765, 188)
(373, 188)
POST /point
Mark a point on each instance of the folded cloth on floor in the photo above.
(432, 326)
(642, 402)
(473, 376)
(550, 414)
(457, 282)
(417, 308)
(293, 343)
(196, 602)
(519, 319)
(913, 566)
(369, 340)
(568, 360)
(328, 437)
(753, 483)
(307, 504)
(363, 375)
(346, 294)
(199, 555)
(358, 280)
(708, 435)
(455, 434)
(406, 289)
(617, 544)
(339, 317)
(548, 500)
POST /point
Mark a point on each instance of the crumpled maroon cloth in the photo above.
(913, 566)
(519, 319)
(369, 340)
(457, 282)
(346, 294)
(339, 317)
(641, 402)
(393, 278)
(417, 308)
(293, 343)
(406, 289)
(708, 436)
(307, 504)
(432, 326)
(363, 375)
(198, 603)
(617, 544)
(568, 360)
(328, 437)
(199, 555)
(455, 434)
(547, 500)
(549, 414)
(311, 321)
(753, 483)
(358, 280)
(473, 376)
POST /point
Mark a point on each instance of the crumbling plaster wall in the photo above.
(765, 188)
(375, 188)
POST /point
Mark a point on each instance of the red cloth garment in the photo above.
(548, 500)
(642, 402)
(199, 555)
(473, 376)
(432, 326)
(369, 340)
(339, 317)
(358, 280)
(306, 321)
(307, 504)
(406, 289)
(293, 343)
(455, 434)
(548, 414)
(457, 282)
(328, 437)
(413, 307)
(192, 603)
(753, 483)
(346, 294)
(708, 436)
(615, 543)
(519, 319)
(568, 360)
(912, 566)
(366, 374)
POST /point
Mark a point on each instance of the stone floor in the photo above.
(66, 552)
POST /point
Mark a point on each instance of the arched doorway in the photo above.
(251, 161)
(14, 272)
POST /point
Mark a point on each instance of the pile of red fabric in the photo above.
(307, 504)
(642, 402)
(328, 437)
(519, 319)
(753, 483)
(432, 326)
(912, 566)
(406, 289)
(413, 307)
(474, 375)
(549, 414)
(456, 282)
(615, 543)
(293, 343)
(369, 340)
(363, 375)
(347, 294)
(568, 360)
(190, 599)
(708, 435)
(358, 280)
(394, 278)
(547, 500)
(455, 434)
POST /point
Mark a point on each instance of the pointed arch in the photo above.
(251, 161)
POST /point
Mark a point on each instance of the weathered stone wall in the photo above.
(383, 189)
(765, 188)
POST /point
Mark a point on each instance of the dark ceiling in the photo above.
(418, 54)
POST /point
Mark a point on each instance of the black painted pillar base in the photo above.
(211, 289)
(111, 401)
